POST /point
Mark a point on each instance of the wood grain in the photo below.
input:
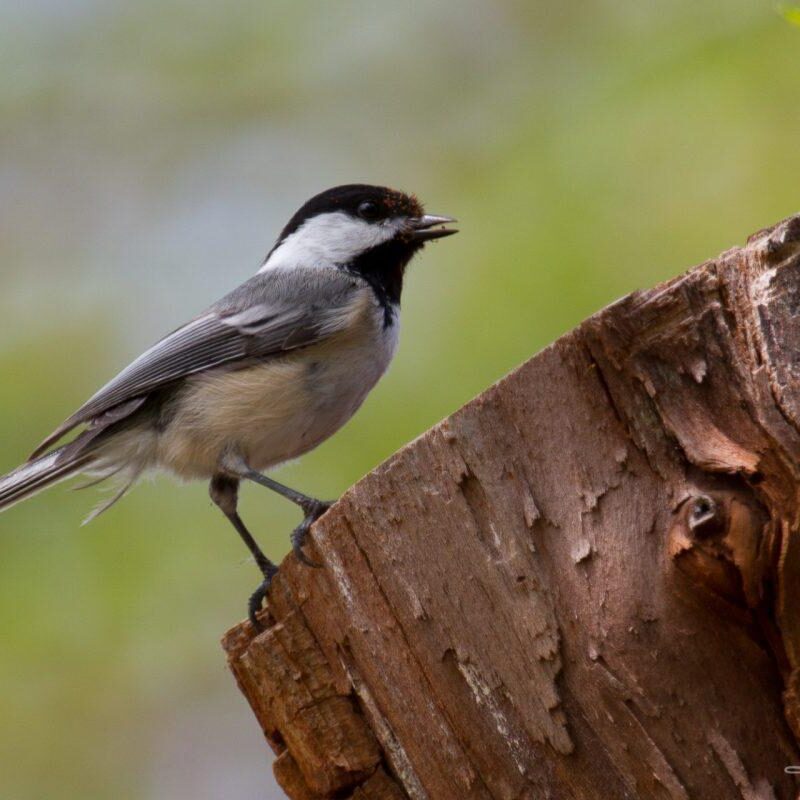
(583, 584)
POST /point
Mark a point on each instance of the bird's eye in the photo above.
(369, 210)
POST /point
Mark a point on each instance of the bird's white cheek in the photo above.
(330, 240)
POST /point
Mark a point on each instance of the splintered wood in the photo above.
(583, 584)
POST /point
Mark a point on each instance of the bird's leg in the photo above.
(224, 492)
(312, 508)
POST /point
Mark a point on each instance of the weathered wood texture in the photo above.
(583, 584)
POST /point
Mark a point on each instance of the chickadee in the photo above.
(262, 376)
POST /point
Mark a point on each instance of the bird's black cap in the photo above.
(353, 199)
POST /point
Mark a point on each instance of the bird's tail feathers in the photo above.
(36, 475)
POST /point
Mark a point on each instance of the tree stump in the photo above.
(583, 584)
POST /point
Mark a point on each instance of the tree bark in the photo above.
(583, 584)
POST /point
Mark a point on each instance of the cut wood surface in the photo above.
(583, 584)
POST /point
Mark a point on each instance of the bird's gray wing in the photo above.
(272, 313)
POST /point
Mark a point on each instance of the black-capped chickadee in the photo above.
(262, 376)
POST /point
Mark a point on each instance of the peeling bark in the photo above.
(585, 583)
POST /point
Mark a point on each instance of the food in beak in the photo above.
(430, 226)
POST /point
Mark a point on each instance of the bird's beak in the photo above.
(427, 227)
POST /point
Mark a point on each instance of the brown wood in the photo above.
(583, 584)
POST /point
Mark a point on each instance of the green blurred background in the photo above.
(150, 152)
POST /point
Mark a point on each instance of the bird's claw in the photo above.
(313, 511)
(256, 601)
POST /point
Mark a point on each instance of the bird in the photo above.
(262, 376)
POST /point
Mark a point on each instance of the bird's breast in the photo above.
(282, 408)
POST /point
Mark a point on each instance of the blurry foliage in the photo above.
(791, 14)
(150, 152)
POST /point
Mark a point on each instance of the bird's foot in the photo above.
(256, 601)
(314, 509)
